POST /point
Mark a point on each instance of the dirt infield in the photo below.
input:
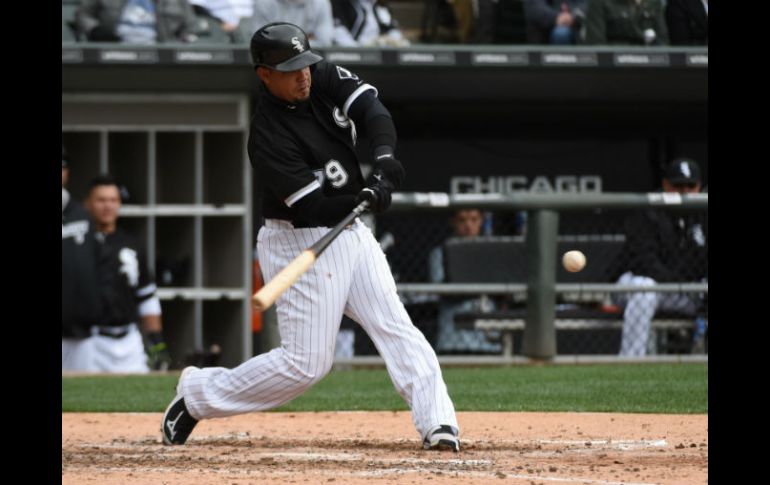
(382, 447)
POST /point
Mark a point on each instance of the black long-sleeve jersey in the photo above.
(667, 246)
(124, 277)
(299, 148)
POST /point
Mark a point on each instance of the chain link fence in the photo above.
(650, 251)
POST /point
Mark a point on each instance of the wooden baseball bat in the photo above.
(267, 295)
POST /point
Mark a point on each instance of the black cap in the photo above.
(64, 158)
(282, 46)
(683, 171)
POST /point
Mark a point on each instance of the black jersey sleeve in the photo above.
(359, 102)
(325, 211)
(341, 85)
(376, 124)
(146, 288)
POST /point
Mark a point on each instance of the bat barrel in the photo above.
(268, 294)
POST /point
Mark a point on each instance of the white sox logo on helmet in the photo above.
(297, 44)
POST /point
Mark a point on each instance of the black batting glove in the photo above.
(388, 165)
(377, 194)
(158, 356)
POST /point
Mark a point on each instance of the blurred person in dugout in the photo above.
(80, 297)
(312, 16)
(365, 23)
(625, 22)
(127, 294)
(465, 223)
(136, 21)
(554, 21)
(664, 246)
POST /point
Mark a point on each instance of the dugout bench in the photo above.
(581, 316)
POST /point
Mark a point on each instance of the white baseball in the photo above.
(573, 261)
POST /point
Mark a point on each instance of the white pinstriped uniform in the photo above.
(297, 150)
(352, 277)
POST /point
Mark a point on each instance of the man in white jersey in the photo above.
(302, 145)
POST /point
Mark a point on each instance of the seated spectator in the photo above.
(312, 16)
(465, 223)
(474, 22)
(625, 22)
(688, 22)
(229, 12)
(554, 21)
(365, 23)
(663, 247)
(136, 21)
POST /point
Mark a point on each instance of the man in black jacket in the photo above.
(625, 22)
(663, 247)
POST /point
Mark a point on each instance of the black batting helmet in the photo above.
(282, 46)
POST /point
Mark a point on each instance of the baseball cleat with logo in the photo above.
(442, 437)
(177, 423)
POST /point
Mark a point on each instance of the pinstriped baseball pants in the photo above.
(352, 277)
(640, 308)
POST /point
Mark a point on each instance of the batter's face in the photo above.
(104, 204)
(65, 175)
(467, 223)
(292, 86)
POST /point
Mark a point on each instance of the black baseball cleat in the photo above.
(442, 437)
(177, 423)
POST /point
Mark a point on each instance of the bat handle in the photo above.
(360, 208)
(324, 242)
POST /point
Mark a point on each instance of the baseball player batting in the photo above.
(302, 145)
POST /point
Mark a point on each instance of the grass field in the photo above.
(645, 388)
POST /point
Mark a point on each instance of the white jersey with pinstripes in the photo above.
(352, 278)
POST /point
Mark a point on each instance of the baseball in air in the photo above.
(573, 261)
